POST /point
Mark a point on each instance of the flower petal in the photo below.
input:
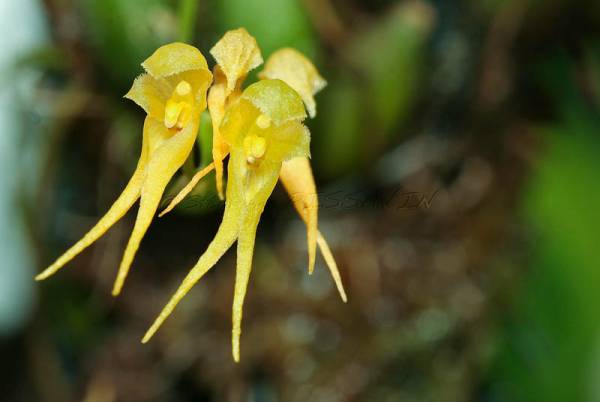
(275, 99)
(245, 252)
(297, 178)
(151, 94)
(174, 58)
(292, 67)
(237, 53)
(331, 264)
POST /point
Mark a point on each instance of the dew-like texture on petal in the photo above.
(174, 58)
(296, 70)
(275, 99)
(237, 53)
(151, 94)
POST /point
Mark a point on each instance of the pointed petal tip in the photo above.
(40, 277)
(117, 287)
(311, 262)
(146, 338)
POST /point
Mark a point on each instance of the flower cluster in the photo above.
(259, 128)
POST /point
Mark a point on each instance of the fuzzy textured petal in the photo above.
(174, 58)
(151, 94)
(237, 53)
(275, 99)
(295, 69)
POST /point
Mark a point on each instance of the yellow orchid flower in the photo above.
(173, 94)
(262, 128)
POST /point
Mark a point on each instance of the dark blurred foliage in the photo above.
(456, 151)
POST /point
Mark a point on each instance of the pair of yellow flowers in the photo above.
(261, 130)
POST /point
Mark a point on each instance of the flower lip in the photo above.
(178, 108)
(276, 100)
(254, 148)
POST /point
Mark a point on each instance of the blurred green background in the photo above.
(456, 154)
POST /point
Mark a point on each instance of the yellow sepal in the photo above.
(297, 179)
(296, 70)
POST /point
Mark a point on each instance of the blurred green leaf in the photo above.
(188, 12)
(49, 58)
(339, 128)
(123, 33)
(390, 58)
(274, 23)
(551, 344)
(360, 109)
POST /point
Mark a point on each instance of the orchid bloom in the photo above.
(173, 94)
(262, 129)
